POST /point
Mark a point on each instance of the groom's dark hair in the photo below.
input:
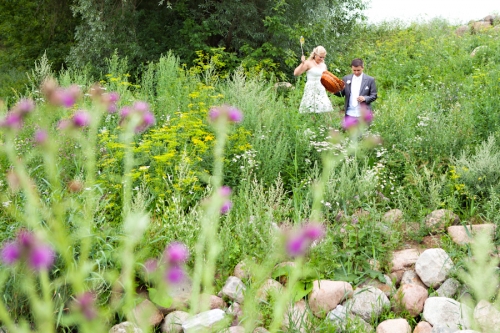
(357, 62)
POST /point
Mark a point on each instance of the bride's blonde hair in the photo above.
(318, 50)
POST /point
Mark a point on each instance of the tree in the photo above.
(253, 29)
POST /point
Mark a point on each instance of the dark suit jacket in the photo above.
(368, 89)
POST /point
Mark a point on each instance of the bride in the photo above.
(315, 98)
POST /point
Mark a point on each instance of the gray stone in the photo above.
(448, 288)
(442, 329)
(368, 302)
(433, 266)
(345, 321)
(411, 277)
(392, 216)
(487, 317)
(233, 289)
(125, 327)
(173, 322)
(203, 320)
(447, 312)
(439, 219)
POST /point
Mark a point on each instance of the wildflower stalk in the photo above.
(286, 297)
(207, 246)
(5, 318)
(88, 143)
(127, 274)
(33, 202)
(43, 307)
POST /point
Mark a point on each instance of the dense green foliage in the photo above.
(261, 34)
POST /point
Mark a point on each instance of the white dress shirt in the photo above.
(353, 109)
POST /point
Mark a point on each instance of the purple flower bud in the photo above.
(174, 275)
(176, 253)
(234, 115)
(225, 191)
(10, 253)
(41, 257)
(296, 245)
(26, 239)
(12, 120)
(214, 114)
(226, 207)
(81, 118)
(24, 106)
(41, 136)
(148, 119)
(141, 106)
(367, 116)
(85, 303)
(112, 108)
(349, 122)
(65, 98)
(125, 112)
(313, 231)
(113, 96)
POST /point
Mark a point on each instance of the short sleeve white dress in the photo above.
(315, 98)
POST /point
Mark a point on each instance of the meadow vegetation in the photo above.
(108, 191)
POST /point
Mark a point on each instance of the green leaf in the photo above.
(301, 289)
(161, 299)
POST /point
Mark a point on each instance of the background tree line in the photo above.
(262, 35)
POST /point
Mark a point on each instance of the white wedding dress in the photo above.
(315, 98)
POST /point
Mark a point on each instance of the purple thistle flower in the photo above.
(65, 98)
(112, 108)
(313, 231)
(125, 112)
(81, 118)
(141, 106)
(85, 303)
(176, 253)
(26, 239)
(10, 253)
(225, 191)
(113, 96)
(12, 120)
(367, 115)
(349, 122)
(296, 245)
(214, 114)
(234, 115)
(41, 136)
(41, 257)
(148, 119)
(174, 274)
(24, 106)
(226, 207)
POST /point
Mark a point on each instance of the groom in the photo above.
(359, 92)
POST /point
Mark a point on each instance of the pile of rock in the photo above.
(418, 285)
(489, 22)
